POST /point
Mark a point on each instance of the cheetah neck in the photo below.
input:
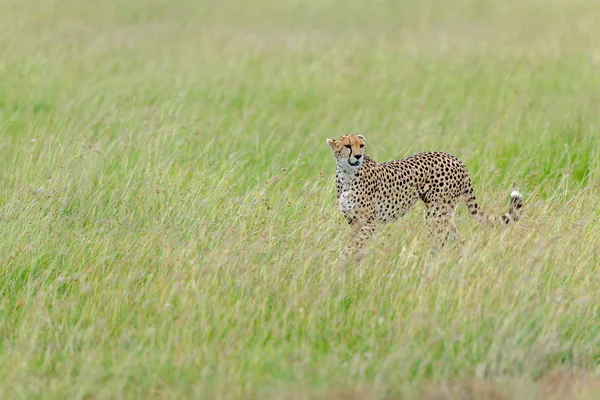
(347, 177)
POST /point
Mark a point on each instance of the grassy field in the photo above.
(168, 218)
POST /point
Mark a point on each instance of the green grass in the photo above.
(168, 220)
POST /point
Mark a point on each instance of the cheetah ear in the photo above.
(331, 143)
(362, 137)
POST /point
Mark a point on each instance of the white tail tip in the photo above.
(514, 193)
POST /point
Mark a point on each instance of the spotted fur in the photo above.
(371, 192)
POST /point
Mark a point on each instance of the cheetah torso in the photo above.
(384, 191)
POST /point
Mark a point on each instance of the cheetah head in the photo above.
(349, 149)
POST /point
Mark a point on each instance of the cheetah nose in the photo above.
(358, 156)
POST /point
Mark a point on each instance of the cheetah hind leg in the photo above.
(441, 224)
(360, 234)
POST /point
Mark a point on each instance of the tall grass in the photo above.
(168, 222)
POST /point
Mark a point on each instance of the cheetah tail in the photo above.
(515, 210)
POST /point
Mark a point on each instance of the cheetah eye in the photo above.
(362, 145)
(348, 146)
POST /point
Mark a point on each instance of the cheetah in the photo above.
(371, 192)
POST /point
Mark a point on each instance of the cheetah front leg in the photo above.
(361, 231)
